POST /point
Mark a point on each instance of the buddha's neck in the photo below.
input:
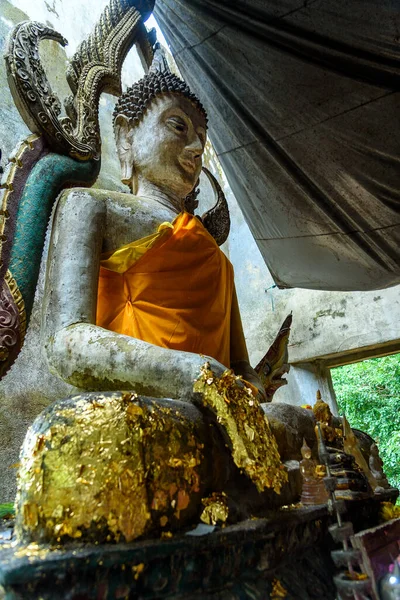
(149, 190)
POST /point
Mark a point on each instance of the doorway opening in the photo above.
(368, 393)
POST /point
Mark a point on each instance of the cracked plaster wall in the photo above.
(325, 323)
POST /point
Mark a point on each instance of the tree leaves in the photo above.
(368, 393)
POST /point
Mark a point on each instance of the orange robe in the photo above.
(173, 289)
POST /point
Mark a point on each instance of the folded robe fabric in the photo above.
(303, 105)
(173, 289)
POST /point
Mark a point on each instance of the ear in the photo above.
(123, 139)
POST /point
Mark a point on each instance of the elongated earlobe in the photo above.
(123, 139)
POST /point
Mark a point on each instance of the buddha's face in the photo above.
(166, 147)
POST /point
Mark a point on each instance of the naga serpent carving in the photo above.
(275, 364)
(95, 68)
(12, 319)
(217, 220)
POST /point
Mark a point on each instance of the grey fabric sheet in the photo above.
(303, 103)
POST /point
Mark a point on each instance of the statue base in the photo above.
(252, 559)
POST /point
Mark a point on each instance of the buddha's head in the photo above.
(160, 129)
(305, 450)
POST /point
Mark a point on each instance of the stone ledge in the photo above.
(239, 561)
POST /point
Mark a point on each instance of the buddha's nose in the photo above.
(195, 146)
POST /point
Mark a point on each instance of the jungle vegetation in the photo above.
(368, 393)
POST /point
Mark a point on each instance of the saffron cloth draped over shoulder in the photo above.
(173, 289)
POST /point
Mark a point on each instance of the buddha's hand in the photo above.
(245, 370)
(207, 362)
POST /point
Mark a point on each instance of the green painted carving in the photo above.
(50, 174)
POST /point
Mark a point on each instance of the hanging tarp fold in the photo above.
(303, 101)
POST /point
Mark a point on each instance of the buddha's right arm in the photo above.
(82, 353)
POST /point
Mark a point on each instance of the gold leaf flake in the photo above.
(251, 442)
(215, 510)
(278, 591)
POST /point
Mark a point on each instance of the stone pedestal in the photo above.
(290, 547)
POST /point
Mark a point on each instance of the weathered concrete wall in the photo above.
(332, 325)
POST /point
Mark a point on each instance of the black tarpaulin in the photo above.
(303, 105)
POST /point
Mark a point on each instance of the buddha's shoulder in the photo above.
(117, 204)
(106, 197)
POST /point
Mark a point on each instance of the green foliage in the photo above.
(6, 510)
(368, 393)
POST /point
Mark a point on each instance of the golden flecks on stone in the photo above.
(320, 471)
(32, 551)
(107, 468)
(389, 511)
(278, 591)
(166, 534)
(137, 570)
(245, 426)
(216, 510)
(293, 506)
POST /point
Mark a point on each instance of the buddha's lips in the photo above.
(188, 165)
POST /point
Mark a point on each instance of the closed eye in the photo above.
(177, 123)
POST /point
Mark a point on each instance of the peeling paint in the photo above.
(328, 313)
(52, 9)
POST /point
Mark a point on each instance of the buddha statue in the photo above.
(339, 447)
(139, 305)
(140, 313)
(139, 295)
(313, 491)
(323, 415)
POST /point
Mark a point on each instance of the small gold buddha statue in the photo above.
(343, 453)
(323, 415)
(313, 491)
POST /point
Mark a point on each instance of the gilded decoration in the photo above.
(109, 468)
(116, 466)
(245, 427)
(12, 317)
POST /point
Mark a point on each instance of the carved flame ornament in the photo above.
(217, 220)
(95, 68)
(12, 320)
